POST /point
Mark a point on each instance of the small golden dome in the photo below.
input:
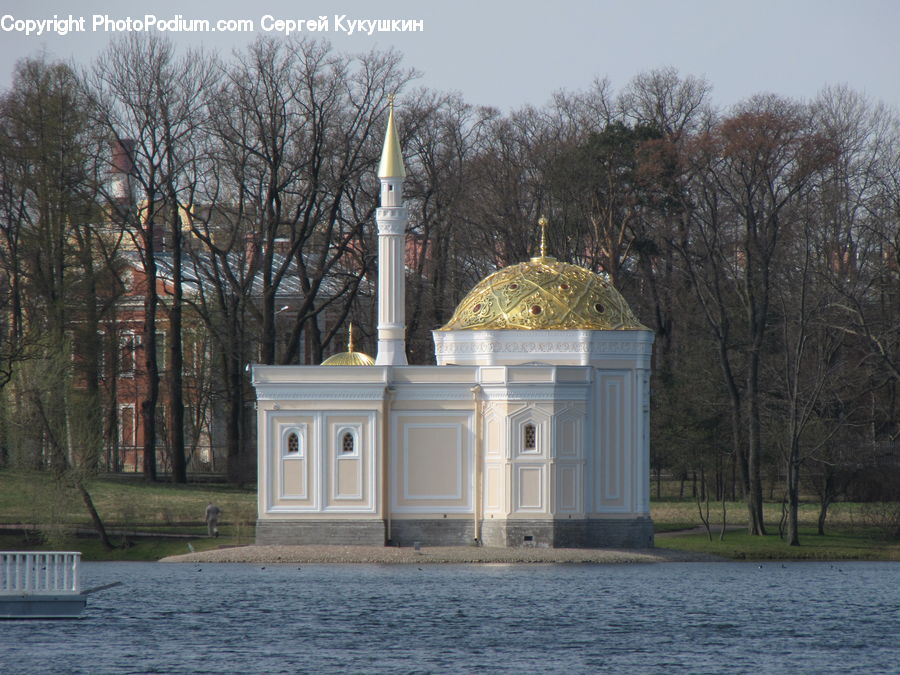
(543, 294)
(349, 357)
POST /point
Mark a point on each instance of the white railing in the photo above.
(39, 572)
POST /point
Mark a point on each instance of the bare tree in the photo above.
(442, 133)
(579, 113)
(296, 134)
(860, 207)
(47, 254)
(507, 192)
(810, 356)
(222, 278)
(665, 100)
(753, 168)
(47, 208)
(300, 128)
(147, 95)
(676, 107)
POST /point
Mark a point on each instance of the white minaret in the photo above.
(392, 218)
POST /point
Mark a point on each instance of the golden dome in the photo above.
(349, 357)
(543, 294)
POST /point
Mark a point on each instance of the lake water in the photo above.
(657, 618)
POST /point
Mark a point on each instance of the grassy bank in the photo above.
(738, 545)
(681, 513)
(50, 514)
(852, 532)
(39, 512)
(30, 497)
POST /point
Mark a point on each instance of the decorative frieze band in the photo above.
(433, 394)
(531, 393)
(494, 347)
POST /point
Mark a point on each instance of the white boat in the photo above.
(40, 585)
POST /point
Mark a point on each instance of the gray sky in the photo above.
(508, 54)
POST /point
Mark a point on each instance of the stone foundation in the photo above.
(632, 533)
(610, 533)
(432, 532)
(337, 532)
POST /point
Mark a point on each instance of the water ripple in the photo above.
(699, 618)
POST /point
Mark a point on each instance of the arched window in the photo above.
(347, 443)
(292, 441)
(530, 437)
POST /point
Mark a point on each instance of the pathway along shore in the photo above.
(433, 554)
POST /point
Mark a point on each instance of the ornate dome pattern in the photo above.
(543, 294)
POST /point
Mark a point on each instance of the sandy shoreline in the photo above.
(433, 554)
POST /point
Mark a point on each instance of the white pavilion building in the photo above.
(531, 430)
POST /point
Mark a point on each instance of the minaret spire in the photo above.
(392, 218)
(391, 165)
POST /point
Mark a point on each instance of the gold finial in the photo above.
(391, 101)
(350, 338)
(542, 221)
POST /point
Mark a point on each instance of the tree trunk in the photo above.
(233, 423)
(733, 478)
(754, 455)
(176, 361)
(740, 457)
(314, 338)
(793, 481)
(151, 396)
(95, 517)
(89, 351)
(724, 521)
(825, 502)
